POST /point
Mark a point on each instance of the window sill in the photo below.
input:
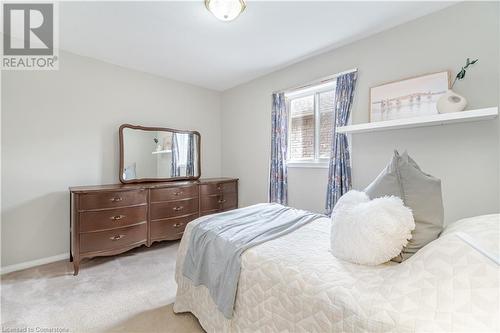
(316, 165)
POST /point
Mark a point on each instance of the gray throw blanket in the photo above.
(213, 258)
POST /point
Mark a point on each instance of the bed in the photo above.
(294, 284)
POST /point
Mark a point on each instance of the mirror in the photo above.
(158, 154)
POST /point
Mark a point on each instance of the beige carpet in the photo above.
(132, 292)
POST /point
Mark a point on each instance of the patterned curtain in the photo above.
(175, 169)
(339, 173)
(190, 156)
(278, 180)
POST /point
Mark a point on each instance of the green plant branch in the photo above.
(461, 73)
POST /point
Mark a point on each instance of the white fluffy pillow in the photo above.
(369, 232)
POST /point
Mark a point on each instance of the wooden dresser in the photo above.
(111, 219)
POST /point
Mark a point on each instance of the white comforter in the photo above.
(295, 284)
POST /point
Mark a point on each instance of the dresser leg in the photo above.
(76, 266)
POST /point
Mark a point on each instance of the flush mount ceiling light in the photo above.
(225, 10)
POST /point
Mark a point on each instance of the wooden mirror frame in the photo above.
(145, 180)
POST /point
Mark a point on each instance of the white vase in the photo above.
(451, 102)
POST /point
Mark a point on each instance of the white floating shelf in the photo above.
(434, 120)
(161, 152)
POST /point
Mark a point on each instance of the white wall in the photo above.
(464, 156)
(60, 129)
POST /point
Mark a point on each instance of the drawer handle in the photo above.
(117, 217)
(219, 187)
(178, 208)
(178, 225)
(116, 199)
(221, 201)
(116, 237)
(178, 193)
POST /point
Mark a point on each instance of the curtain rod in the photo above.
(315, 82)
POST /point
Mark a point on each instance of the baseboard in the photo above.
(34, 263)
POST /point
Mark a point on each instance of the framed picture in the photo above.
(408, 98)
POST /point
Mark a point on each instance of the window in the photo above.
(311, 124)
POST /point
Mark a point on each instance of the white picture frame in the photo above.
(408, 98)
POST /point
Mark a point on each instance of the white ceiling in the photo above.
(184, 42)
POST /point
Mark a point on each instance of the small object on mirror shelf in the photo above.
(158, 146)
(451, 101)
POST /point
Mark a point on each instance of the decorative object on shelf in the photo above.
(225, 10)
(451, 101)
(461, 74)
(408, 98)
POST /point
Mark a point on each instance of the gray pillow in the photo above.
(419, 191)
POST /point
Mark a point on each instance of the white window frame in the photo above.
(315, 90)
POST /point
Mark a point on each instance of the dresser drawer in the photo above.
(230, 201)
(211, 202)
(217, 188)
(113, 239)
(220, 202)
(170, 229)
(102, 200)
(161, 210)
(112, 218)
(174, 193)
